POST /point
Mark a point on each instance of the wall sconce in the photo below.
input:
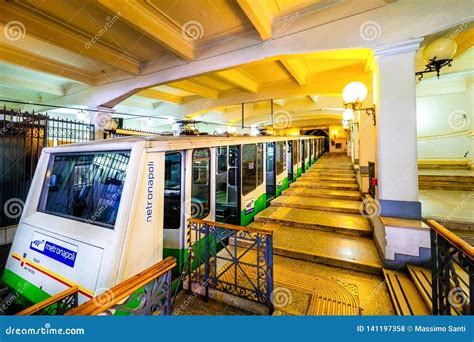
(353, 95)
(438, 54)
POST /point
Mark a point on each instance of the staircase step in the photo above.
(328, 175)
(333, 205)
(441, 178)
(421, 277)
(330, 172)
(316, 219)
(406, 299)
(311, 178)
(323, 193)
(351, 252)
(327, 185)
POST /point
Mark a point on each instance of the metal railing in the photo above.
(146, 293)
(233, 259)
(58, 304)
(452, 267)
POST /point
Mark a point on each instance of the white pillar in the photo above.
(367, 143)
(397, 162)
(102, 120)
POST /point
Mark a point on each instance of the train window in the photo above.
(201, 189)
(85, 186)
(249, 168)
(280, 157)
(260, 164)
(172, 197)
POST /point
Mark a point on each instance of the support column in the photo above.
(397, 162)
(367, 143)
(102, 120)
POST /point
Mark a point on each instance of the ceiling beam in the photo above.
(239, 79)
(297, 69)
(196, 88)
(31, 61)
(60, 34)
(155, 25)
(160, 96)
(260, 16)
(39, 87)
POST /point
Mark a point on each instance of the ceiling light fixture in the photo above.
(438, 54)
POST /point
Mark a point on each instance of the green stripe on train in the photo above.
(284, 185)
(28, 294)
(259, 205)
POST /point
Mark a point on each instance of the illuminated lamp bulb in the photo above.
(441, 49)
(348, 115)
(354, 92)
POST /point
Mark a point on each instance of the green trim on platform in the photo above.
(300, 171)
(306, 166)
(259, 205)
(284, 185)
(28, 293)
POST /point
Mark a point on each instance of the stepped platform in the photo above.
(355, 253)
(327, 204)
(323, 193)
(317, 219)
(303, 183)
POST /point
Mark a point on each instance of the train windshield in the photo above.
(85, 186)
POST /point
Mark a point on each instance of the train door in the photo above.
(270, 172)
(281, 173)
(290, 161)
(227, 192)
(295, 159)
(302, 153)
(252, 180)
(173, 218)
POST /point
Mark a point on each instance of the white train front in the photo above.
(98, 213)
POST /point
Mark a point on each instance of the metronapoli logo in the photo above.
(58, 250)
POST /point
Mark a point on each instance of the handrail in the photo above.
(48, 302)
(232, 226)
(452, 238)
(124, 290)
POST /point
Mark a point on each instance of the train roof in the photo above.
(171, 143)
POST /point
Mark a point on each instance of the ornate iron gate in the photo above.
(22, 138)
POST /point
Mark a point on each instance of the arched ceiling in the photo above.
(201, 58)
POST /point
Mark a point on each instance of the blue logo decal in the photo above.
(54, 251)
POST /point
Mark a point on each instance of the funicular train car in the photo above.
(100, 212)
